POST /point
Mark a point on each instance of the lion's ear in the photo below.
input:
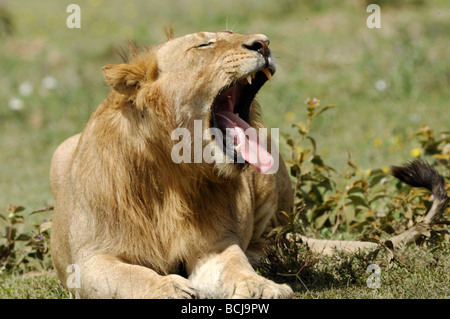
(124, 78)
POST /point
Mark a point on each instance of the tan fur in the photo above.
(129, 217)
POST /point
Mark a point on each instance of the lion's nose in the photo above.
(260, 45)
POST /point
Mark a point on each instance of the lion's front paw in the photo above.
(174, 287)
(259, 287)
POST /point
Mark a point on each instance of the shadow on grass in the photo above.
(415, 271)
(294, 264)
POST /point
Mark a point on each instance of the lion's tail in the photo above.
(416, 174)
(420, 174)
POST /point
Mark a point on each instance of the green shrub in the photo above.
(21, 249)
(356, 203)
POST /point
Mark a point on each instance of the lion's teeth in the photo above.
(253, 75)
(249, 79)
(267, 73)
(238, 148)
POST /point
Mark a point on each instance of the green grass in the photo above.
(341, 276)
(32, 286)
(416, 272)
(323, 49)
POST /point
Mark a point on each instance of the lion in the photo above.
(138, 225)
(138, 216)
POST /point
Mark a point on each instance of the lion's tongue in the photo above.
(250, 147)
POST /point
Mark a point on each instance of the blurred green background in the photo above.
(386, 83)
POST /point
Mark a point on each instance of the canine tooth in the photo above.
(253, 75)
(249, 79)
(238, 148)
(267, 73)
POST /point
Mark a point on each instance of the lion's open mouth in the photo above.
(231, 114)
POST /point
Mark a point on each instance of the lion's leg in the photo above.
(105, 276)
(228, 274)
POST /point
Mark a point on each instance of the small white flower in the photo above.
(15, 104)
(49, 82)
(26, 88)
(381, 85)
(415, 118)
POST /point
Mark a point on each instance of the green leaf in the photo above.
(358, 200)
(378, 196)
(23, 237)
(290, 142)
(375, 177)
(321, 220)
(17, 219)
(349, 215)
(45, 226)
(317, 194)
(18, 209)
(323, 109)
(295, 169)
(44, 209)
(314, 145)
(356, 189)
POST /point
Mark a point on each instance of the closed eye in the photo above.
(203, 45)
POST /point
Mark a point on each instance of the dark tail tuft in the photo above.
(421, 174)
